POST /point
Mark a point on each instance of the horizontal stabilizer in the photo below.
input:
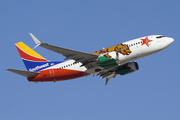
(24, 73)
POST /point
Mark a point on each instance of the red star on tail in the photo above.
(146, 41)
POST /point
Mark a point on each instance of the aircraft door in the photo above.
(51, 71)
(136, 50)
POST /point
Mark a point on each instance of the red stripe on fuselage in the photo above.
(57, 75)
(28, 57)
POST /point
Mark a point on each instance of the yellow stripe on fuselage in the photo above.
(28, 50)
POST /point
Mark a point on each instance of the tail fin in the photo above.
(32, 60)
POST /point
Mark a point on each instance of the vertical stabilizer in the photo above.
(32, 60)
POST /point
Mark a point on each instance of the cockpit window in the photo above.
(160, 36)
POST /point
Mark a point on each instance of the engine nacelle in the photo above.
(128, 68)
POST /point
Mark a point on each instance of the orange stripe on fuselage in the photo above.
(57, 75)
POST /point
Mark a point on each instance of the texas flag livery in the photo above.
(106, 63)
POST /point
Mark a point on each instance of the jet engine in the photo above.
(128, 68)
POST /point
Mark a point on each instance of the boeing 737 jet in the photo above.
(106, 63)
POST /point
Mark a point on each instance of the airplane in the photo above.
(106, 63)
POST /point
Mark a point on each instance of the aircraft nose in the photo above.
(169, 40)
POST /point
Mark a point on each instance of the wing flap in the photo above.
(107, 75)
(24, 73)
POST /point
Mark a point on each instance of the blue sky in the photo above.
(152, 93)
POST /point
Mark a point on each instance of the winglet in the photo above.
(38, 42)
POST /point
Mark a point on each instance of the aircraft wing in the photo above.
(69, 54)
(108, 74)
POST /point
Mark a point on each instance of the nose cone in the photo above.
(169, 40)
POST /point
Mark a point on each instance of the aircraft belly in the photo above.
(57, 75)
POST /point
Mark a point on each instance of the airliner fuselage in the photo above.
(106, 63)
